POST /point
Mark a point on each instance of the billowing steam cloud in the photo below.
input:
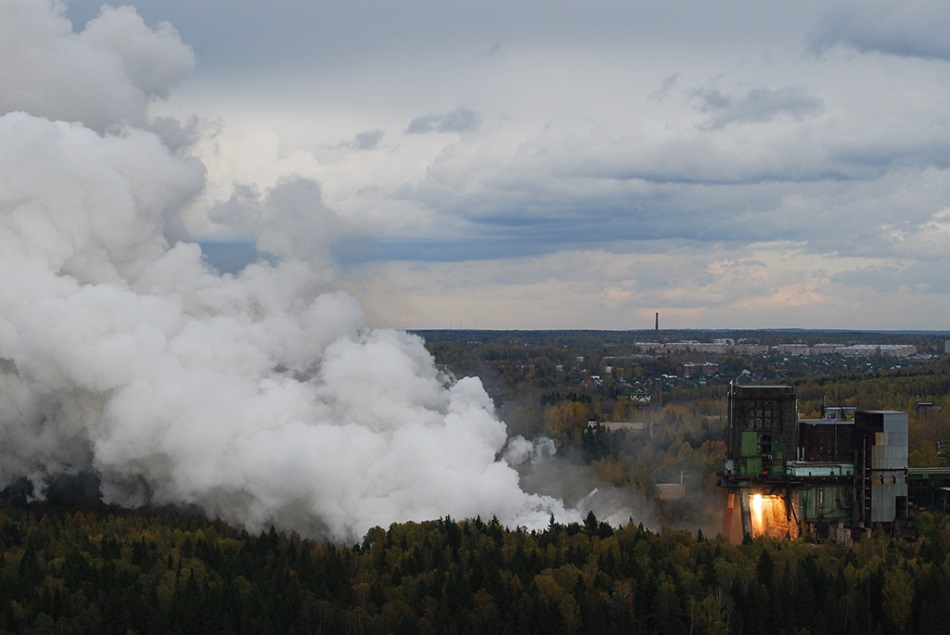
(258, 397)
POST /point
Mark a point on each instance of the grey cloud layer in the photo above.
(917, 28)
(627, 127)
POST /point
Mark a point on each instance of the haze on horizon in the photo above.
(555, 165)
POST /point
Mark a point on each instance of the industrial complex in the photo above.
(826, 478)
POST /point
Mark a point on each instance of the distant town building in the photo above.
(697, 369)
(670, 491)
(792, 349)
(633, 426)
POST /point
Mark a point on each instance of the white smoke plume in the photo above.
(259, 397)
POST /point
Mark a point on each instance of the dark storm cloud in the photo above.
(905, 29)
(461, 119)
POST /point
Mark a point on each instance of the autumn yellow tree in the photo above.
(565, 419)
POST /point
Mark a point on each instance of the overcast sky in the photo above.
(559, 164)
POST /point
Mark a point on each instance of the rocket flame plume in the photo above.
(768, 516)
(259, 397)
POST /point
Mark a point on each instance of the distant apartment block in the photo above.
(865, 350)
(726, 346)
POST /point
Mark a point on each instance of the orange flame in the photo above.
(769, 517)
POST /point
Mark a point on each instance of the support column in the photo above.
(794, 527)
(746, 513)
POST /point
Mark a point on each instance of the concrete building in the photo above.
(792, 349)
(697, 369)
(881, 467)
(670, 491)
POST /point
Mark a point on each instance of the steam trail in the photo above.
(259, 397)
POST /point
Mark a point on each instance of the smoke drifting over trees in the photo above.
(259, 397)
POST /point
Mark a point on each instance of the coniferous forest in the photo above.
(119, 572)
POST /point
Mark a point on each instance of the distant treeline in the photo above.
(92, 572)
